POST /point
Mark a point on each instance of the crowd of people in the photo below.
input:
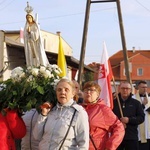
(80, 120)
(90, 125)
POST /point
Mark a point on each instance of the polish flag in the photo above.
(104, 78)
(21, 36)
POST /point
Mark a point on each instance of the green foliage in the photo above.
(29, 87)
(88, 76)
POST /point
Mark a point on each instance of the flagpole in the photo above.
(120, 109)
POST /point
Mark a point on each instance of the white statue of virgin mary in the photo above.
(34, 50)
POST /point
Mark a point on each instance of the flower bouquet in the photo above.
(29, 87)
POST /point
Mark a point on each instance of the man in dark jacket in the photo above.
(132, 115)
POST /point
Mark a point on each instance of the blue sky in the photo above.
(67, 16)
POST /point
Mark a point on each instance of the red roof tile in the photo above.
(118, 57)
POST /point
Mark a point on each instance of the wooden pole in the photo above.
(121, 112)
(123, 43)
(84, 39)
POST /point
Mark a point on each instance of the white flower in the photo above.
(16, 72)
(55, 83)
(2, 86)
(22, 75)
(30, 78)
(54, 66)
(58, 71)
(35, 71)
(47, 74)
(52, 76)
(29, 67)
(42, 69)
(50, 67)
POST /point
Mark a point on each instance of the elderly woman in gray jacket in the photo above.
(52, 126)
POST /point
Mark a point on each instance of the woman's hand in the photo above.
(45, 108)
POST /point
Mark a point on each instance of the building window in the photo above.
(139, 71)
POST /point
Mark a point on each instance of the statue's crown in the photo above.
(28, 9)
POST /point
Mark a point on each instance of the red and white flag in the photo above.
(104, 78)
(21, 36)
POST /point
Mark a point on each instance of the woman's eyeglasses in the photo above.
(89, 90)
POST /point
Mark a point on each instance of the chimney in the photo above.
(133, 49)
(58, 33)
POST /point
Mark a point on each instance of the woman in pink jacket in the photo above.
(106, 131)
(11, 127)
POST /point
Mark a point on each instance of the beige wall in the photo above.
(51, 43)
(1, 53)
(6, 59)
(1, 50)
